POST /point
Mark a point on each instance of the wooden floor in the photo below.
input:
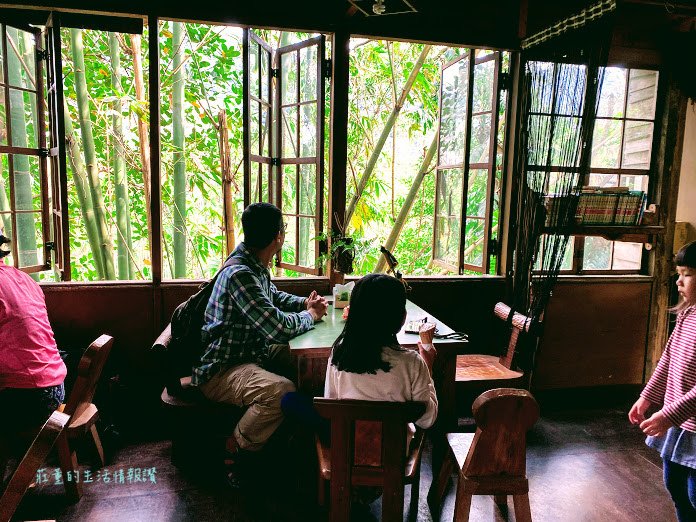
(588, 465)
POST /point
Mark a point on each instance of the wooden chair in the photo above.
(488, 371)
(368, 448)
(198, 427)
(83, 413)
(25, 473)
(493, 460)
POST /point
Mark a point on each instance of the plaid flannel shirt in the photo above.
(246, 313)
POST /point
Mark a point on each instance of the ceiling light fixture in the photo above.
(379, 7)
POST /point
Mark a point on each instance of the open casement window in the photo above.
(57, 154)
(286, 166)
(24, 197)
(467, 152)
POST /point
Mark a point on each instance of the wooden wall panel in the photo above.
(595, 335)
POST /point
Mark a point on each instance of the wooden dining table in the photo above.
(312, 349)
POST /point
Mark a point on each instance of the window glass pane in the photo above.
(6, 225)
(613, 95)
(543, 88)
(265, 75)
(448, 214)
(539, 137)
(455, 80)
(480, 146)
(3, 116)
(254, 145)
(483, 86)
(22, 118)
(289, 71)
(476, 201)
(21, 65)
(265, 180)
(606, 143)
(637, 145)
(5, 195)
(306, 246)
(266, 131)
(570, 88)
(482, 53)
(627, 256)
(635, 182)
(308, 188)
(27, 197)
(308, 130)
(289, 189)
(566, 130)
(289, 124)
(308, 73)
(288, 251)
(642, 94)
(604, 180)
(255, 181)
(473, 243)
(2, 62)
(597, 254)
(254, 87)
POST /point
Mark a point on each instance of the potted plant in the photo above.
(342, 251)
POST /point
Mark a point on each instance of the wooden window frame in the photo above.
(466, 165)
(40, 151)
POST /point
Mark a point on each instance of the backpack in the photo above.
(186, 347)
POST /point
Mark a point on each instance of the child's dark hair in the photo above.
(377, 307)
(686, 255)
(261, 223)
(4, 240)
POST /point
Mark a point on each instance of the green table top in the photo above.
(325, 332)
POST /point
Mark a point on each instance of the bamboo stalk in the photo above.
(124, 240)
(179, 178)
(103, 236)
(228, 207)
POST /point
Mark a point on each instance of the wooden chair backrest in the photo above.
(503, 416)
(351, 453)
(30, 463)
(520, 323)
(88, 372)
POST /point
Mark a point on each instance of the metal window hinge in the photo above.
(44, 153)
(327, 68)
(505, 81)
(493, 247)
(275, 162)
(275, 72)
(51, 246)
(42, 54)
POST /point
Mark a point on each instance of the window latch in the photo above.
(44, 153)
(327, 68)
(275, 162)
(504, 80)
(42, 54)
(275, 72)
(493, 246)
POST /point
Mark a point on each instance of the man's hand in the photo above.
(657, 425)
(316, 305)
(637, 413)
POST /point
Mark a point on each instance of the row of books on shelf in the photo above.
(603, 206)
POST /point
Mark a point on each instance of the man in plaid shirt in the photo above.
(248, 323)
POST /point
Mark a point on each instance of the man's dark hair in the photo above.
(261, 223)
(4, 240)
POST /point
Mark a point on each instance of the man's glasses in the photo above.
(284, 228)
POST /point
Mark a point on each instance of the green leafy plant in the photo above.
(342, 252)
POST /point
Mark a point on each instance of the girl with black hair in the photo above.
(367, 362)
(670, 395)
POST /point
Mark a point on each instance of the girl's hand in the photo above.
(637, 413)
(657, 425)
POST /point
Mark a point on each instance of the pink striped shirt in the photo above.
(673, 385)
(29, 357)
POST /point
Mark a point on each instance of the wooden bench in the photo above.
(198, 427)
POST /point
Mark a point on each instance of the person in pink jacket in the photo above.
(31, 369)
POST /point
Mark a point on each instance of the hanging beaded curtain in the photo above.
(562, 76)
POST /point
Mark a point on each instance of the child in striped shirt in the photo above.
(672, 429)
